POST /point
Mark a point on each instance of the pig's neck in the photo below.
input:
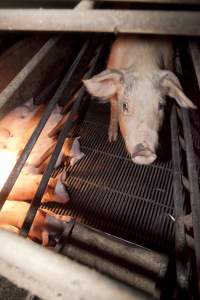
(147, 59)
(147, 65)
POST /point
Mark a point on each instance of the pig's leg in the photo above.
(113, 126)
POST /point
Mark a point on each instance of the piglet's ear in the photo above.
(171, 87)
(105, 84)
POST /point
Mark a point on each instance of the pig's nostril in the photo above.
(139, 147)
(141, 150)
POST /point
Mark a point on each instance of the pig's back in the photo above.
(140, 52)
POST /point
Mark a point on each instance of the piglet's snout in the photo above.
(143, 155)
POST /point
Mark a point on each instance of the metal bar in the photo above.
(5, 191)
(140, 257)
(51, 276)
(194, 187)
(15, 84)
(122, 21)
(188, 2)
(47, 173)
(180, 239)
(195, 55)
(134, 279)
(84, 4)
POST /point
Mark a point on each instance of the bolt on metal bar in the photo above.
(47, 174)
(180, 239)
(6, 189)
(15, 84)
(194, 188)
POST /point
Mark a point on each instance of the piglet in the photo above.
(18, 125)
(27, 185)
(45, 225)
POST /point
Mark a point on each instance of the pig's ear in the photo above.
(172, 88)
(105, 84)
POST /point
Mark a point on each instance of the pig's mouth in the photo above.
(144, 157)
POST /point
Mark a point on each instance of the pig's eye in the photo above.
(125, 107)
(161, 106)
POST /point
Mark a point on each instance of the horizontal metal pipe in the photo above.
(118, 272)
(47, 173)
(138, 256)
(51, 276)
(6, 189)
(122, 21)
(188, 2)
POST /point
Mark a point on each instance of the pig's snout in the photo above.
(143, 154)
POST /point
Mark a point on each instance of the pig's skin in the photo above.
(18, 125)
(138, 78)
(27, 185)
(45, 223)
(44, 142)
(14, 136)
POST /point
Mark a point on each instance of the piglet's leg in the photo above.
(113, 127)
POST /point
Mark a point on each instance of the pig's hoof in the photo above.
(112, 134)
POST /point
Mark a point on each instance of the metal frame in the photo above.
(5, 191)
(180, 238)
(194, 188)
(190, 183)
(53, 277)
(67, 127)
(191, 163)
(86, 19)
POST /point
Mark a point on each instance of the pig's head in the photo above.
(140, 100)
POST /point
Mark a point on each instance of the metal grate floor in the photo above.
(109, 192)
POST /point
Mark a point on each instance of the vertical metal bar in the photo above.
(6, 189)
(194, 187)
(195, 55)
(180, 239)
(46, 176)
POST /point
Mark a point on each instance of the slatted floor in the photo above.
(110, 192)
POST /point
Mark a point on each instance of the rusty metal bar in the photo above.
(140, 257)
(194, 188)
(6, 189)
(134, 279)
(180, 239)
(47, 173)
(122, 21)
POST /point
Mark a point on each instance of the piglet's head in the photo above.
(140, 99)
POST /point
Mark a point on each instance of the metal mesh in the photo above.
(108, 191)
